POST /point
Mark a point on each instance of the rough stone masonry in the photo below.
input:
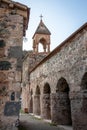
(13, 24)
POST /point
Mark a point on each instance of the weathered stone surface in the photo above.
(16, 52)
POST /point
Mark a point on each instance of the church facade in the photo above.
(56, 86)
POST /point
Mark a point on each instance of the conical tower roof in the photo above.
(42, 29)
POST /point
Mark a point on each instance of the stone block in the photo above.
(12, 108)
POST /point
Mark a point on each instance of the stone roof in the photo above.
(17, 8)
(42, 29)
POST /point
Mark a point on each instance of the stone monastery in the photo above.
(53, 84)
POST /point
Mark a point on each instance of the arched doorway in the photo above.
(46, 111)
(37, 101)
(61, 109)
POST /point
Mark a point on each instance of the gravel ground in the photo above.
(29, 122)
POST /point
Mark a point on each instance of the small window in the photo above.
(12, 96)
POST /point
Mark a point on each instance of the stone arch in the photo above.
(46, 111)
(37, 101)
(46, 89)
(62, 85)
(84, 82)
(13, 96)
(61, 107)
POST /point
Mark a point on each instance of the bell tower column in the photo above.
(48, 47)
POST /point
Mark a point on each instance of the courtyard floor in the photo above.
(30, 122)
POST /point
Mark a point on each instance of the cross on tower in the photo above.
(41, 16)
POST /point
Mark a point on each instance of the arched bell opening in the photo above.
(42, 45)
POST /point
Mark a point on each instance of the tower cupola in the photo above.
(41, 36)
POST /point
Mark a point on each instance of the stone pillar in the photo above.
(60, 108)
(48, 47)
(45, 112)
(36, 48)
(79, 110)
(31, 105)
(44, 49)
(36, 105)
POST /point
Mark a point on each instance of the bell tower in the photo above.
(41, 36)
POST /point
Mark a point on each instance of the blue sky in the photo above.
(62, 17)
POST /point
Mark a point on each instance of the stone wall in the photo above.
(12, 30)
(63, 69)
(10, 68)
